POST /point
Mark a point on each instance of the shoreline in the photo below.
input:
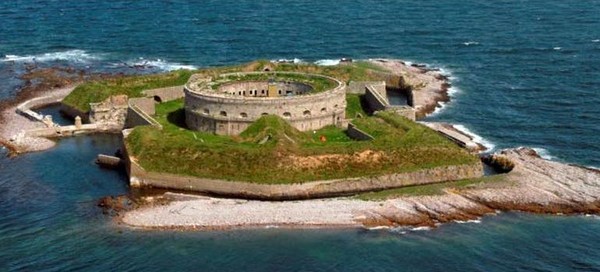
(13, 124)
(517, 194)
(535, 185)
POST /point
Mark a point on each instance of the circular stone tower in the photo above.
(228, 104)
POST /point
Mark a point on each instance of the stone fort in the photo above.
(230, 103)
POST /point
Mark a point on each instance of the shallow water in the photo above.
(523, 73)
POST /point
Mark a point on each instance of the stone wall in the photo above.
(146, 104)
(165, 94)
(112, 110)
(261, 88)
(327, 188)
(357, 134)
(224, 114)
(359, 87)
(375, 100)
(26, 108)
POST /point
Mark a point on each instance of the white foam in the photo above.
(78, 56)
(420, 228)
(294, 60)
(474, 221)
(159, 64)
(469, 43)
(557, 48)
(379, 228)
(544, 153)
(327, 62)
(476, 138)
(596, 40)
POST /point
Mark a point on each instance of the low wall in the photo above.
(166, 94)
(375, 100)
(317, 189)
(26, 107)
(63, 131)
(138, 117)
(357, 134)
(359, 87)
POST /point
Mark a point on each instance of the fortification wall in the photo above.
(326, 188)
(229, 115)
(359, 87)
(165, 94)
(261, 88)
(113, 110)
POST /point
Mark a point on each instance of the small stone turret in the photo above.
(78, 122)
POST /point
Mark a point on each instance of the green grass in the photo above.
(404, 145)
(132, 86)
(319, 84)
(354, 106)
(435, 188)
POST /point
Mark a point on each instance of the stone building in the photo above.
(231, 106)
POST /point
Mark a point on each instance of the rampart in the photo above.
(315, 189)
(227, 114)
(165, 94)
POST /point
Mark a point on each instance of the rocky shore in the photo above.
(429, 87)
(12, 124)
(534, 185)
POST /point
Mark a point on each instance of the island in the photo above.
(277, 144)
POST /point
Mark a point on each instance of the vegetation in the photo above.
(355, 106)
(271, 151)
(319, 84)
(132, 86)
(435, 188)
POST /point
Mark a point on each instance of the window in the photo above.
(244, 115)
(206, 111)
(287, 115)
(306, 113)
(323, 110)
(223, 113)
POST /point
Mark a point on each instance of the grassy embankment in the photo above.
(291, 156)
(288, 156)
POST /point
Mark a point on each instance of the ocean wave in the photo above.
(75, 55)
(469, 43)
(159, 64)
(478, 139)
(327, 62)
(596, 40)
(294, 60)
(473, 221)
(557, 48)
(544, 153)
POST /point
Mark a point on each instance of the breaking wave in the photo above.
(75, 55)
(327, 62)
(478, 139)
(158, 64)
(544, 153)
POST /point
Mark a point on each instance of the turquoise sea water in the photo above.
(524, 73)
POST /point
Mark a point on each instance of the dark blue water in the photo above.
(524, 73)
